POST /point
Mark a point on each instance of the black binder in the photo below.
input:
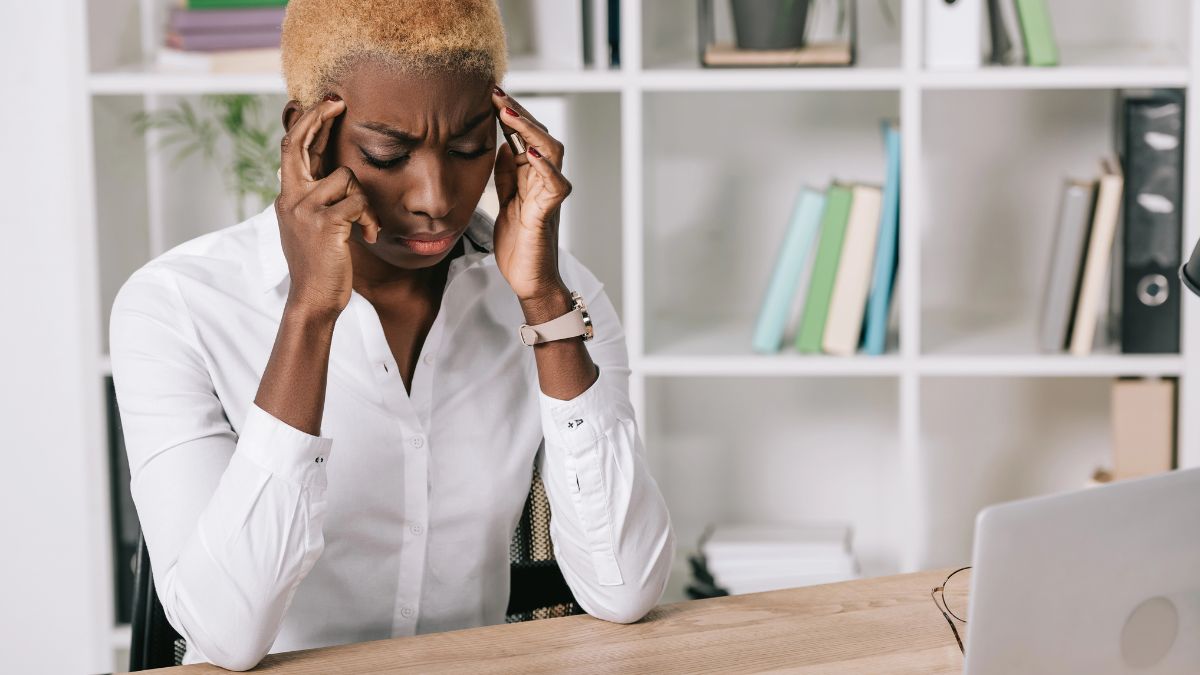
(1151, 141)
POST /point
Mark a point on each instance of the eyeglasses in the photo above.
(953, 595)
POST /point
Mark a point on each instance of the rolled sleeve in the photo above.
(282, 449)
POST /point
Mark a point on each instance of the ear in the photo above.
(291, 112)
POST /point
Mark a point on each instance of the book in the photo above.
(1096, 262)
(1066, 262)
(843, 326)
(1143, 427)
(227, 4)
(241, 61)
(953, 34)
(879, 302)
(1001, 40)
(221, 41)
(792, 261)
(1037, 33)
(225, 20)
(753, 558)
(1152, 148)
(829, 252)
(1008, 14)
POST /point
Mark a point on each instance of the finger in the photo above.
(534, 136)
(355, 209)
(340, 185)
(556, 184)
(502, 99)
(293, 171)
(317, 136)
(506, 174)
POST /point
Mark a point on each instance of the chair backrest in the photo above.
(537, 588)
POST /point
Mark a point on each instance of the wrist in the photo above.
(545, 305)
(308, 315)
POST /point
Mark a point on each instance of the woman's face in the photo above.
(423, 148)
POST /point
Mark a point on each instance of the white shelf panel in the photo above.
(778, 365)
(139, 81)
(1054, 365)
(772, 79)
(1085, 67)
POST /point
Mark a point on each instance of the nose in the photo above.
(430, 192)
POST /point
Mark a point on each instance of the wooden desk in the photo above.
(883, 625)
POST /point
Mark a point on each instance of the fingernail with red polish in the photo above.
(499, 91)
(533, 151)
(512, 112)
(332, 97)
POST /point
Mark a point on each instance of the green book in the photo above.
(233, 4)
(1040, 48)
(829, 252)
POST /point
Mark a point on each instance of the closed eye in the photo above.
(380, 163)
(472, 154)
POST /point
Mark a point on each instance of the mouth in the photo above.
(426, 244)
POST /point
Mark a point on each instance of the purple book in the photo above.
(224, 20)
(211, 42)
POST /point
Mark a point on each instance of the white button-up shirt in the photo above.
(397, 519)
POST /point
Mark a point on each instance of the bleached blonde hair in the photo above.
(322, 39)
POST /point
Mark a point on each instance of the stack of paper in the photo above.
(755, 558)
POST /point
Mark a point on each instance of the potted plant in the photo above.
(229, 133)
(769, 24)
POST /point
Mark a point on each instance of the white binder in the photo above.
(953, 34)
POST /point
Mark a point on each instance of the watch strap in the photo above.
(574, 323)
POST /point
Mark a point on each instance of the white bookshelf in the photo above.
(688, 174)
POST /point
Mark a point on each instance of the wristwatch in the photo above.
(572, 324)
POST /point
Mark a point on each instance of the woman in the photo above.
(373, 311)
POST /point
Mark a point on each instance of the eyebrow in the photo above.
(406, 138)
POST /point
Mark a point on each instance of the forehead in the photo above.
(385, 94)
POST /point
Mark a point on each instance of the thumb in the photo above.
(506, 174)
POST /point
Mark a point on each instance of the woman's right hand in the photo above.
(316, 214)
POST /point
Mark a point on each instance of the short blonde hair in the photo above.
(323, 38)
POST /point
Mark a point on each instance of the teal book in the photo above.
(829, 252)
(790, 266)
(1037, 32)
(879, 302)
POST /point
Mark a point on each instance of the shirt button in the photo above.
(407, 612)
(416, 529)
(429, 359)
(417, 441)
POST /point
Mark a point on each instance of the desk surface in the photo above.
(880, 625)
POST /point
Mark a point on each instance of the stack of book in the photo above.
(755, 558)
(1077, 286)
(223, 36)
(954, 38)
(839, 257)
(1114, 260)
(1030, 18)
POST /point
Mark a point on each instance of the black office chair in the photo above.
(538, 589)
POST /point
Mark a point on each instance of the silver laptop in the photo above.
(1104, 580)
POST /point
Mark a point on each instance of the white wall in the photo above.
(50, 398)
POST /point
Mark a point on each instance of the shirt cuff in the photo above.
(582, 421)
(283, 449)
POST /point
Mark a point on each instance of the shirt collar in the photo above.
(273, 267)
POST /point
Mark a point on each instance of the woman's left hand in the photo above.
(531, 189)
